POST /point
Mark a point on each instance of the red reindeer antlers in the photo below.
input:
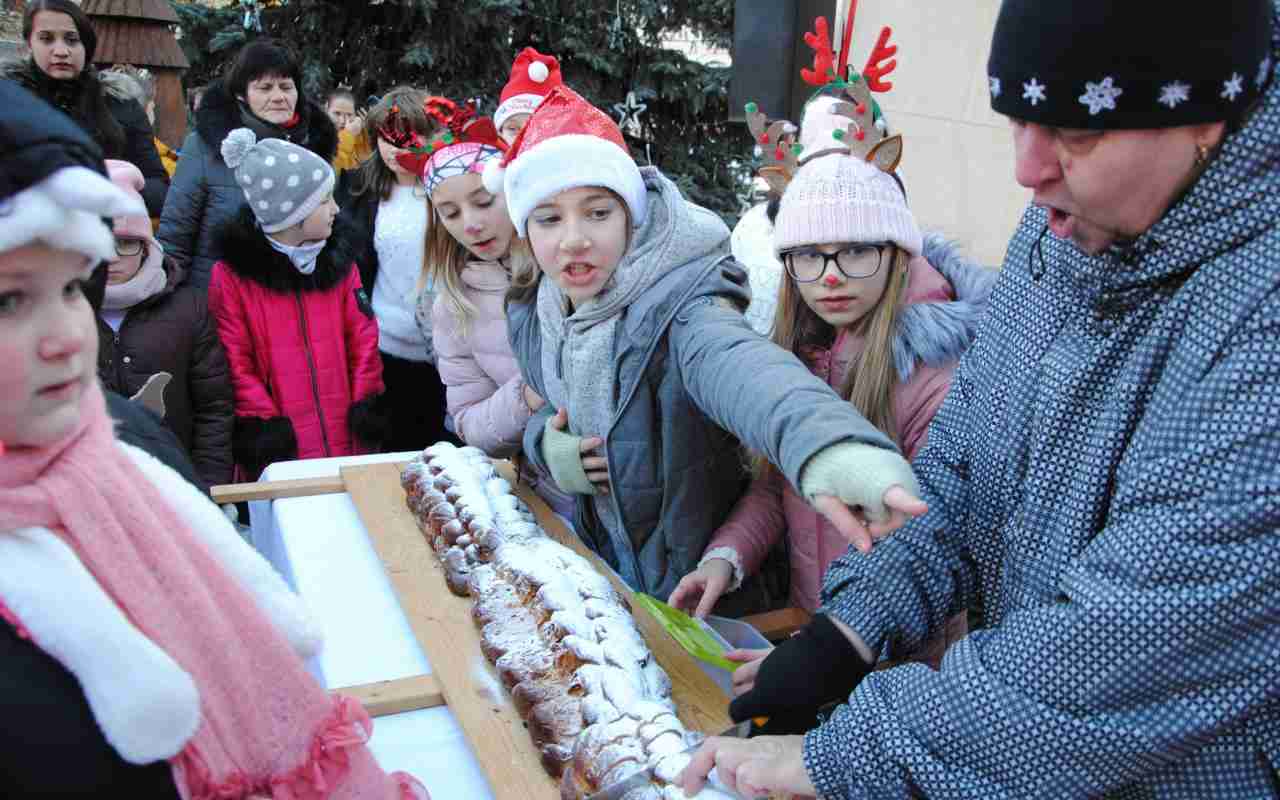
(824, 59)
(449, 114)
(396, 131)
(875, 69)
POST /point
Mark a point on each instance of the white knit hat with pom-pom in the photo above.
(282, 182)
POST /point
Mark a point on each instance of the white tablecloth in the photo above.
(319, 544)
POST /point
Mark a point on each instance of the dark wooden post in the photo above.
(768, 52)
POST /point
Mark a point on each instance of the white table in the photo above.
(320, 546)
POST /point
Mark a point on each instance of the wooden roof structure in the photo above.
(152, 10)
(141, 33)
(135, 32)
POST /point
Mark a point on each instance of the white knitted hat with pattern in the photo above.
(282, 182)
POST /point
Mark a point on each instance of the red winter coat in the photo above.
(303, 349)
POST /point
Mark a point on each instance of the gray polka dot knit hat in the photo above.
(282, 182)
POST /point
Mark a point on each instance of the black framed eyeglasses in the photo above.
(130, 247)
(860, 260)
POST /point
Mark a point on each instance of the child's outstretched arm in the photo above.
(768, 399)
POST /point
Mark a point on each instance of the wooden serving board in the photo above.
(442, 624)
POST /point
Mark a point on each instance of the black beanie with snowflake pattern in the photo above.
(1110, 65)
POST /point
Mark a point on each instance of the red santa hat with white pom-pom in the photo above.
(567, 143)
(533, 76)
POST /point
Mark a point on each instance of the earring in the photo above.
(1202, 155)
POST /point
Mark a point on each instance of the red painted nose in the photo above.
(831, 280)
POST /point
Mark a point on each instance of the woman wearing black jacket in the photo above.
(262, 91)
(60, 71)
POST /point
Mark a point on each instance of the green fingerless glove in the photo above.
(563, 454)
(858, 475)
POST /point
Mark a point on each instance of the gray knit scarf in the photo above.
(577, 349)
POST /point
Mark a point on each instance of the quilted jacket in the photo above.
(1102, 482)
(301, 347)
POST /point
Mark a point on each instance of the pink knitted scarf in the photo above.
(267, 728)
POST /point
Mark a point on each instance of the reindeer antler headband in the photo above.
(866, 135)
(460, 126)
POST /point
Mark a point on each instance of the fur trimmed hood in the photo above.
(219, 115)
(936, 333)
(245, 250)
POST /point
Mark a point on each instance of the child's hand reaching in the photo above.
(567, 458)
(700, 589)
(865, 492)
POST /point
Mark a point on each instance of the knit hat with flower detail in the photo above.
(567, 144)
(282, 182)
(533, 76)
(1106, 65)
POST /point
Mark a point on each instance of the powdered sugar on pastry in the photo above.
(594, 699)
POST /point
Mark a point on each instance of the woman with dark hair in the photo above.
(60, 71)
(262, 91)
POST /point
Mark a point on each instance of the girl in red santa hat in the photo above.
(629, 322)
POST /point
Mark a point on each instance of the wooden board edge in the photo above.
(277, 490)
(779, 624)
(382, 698)
(439, 620)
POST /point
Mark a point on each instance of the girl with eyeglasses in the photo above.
(150, 323)
(879, 312)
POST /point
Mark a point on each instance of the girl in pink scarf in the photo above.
(185, 645)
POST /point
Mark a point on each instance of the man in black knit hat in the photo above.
(1102, 477)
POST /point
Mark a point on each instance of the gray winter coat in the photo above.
(692, 379)
(1103, 483)
(204, 196)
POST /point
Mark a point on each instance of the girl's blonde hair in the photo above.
(447, 257)
(409, 104)
(870, 381)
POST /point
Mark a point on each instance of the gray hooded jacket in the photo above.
(691, 378)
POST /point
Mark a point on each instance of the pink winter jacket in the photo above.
(771, 507)
(299, 347)
(484, 390)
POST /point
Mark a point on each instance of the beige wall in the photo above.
(958, 156)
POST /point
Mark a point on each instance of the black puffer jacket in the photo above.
(361, 211)
(204, 195)
(138, 145)
(174, 332)
(38, 142)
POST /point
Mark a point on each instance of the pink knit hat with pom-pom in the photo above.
(129, 178)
